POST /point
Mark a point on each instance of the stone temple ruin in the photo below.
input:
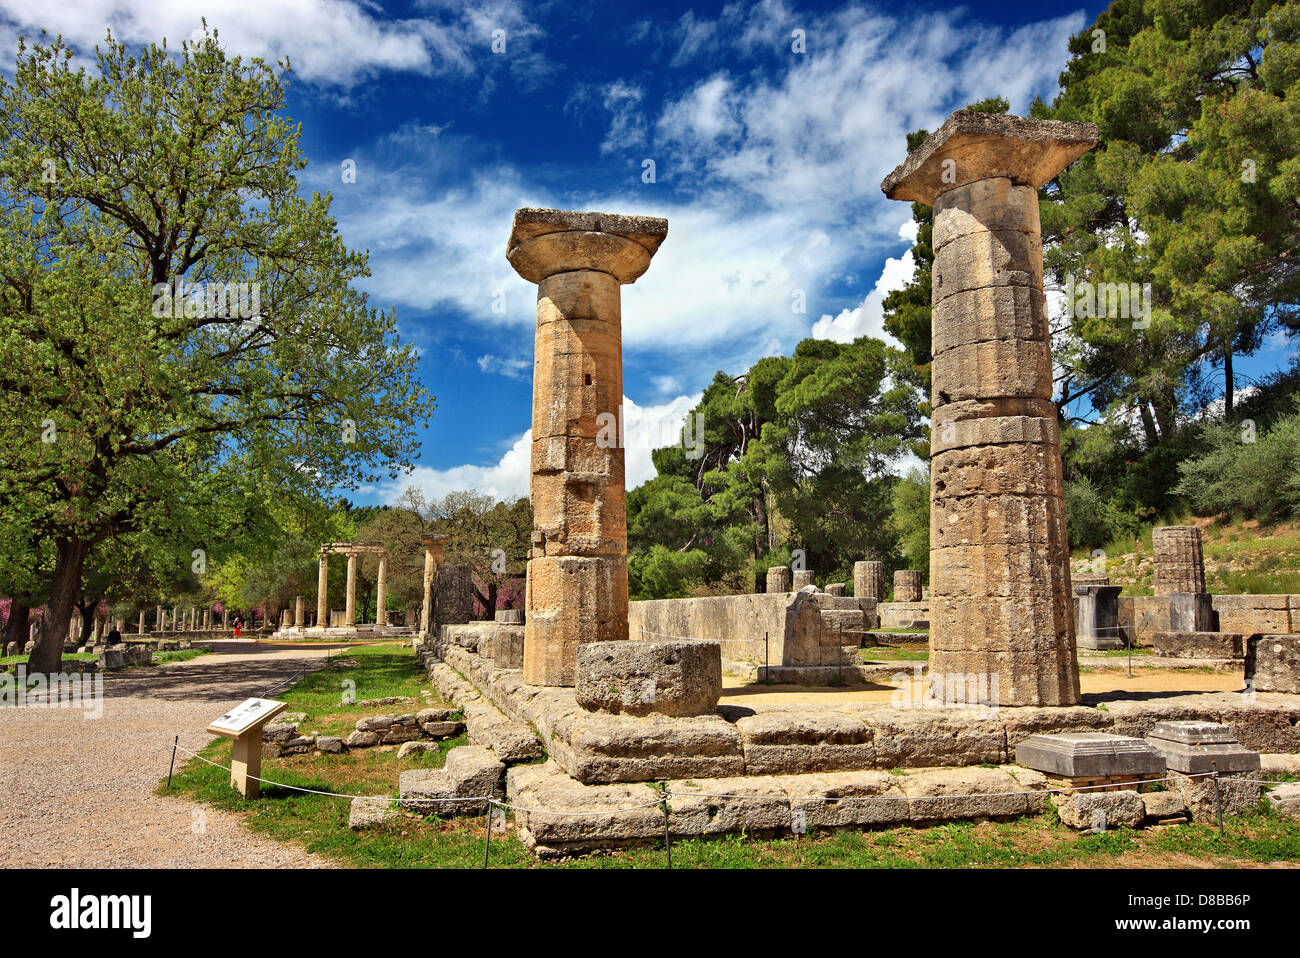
(622, 695)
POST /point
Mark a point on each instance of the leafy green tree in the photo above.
(910, 519)
(131, 385)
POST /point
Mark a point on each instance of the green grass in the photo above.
(67, 657)
(319, 823)
(894, 653)
(180, 655)
(1137, 651)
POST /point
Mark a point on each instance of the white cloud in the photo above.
(868, 319)
(335, 42)
(513, 368)
(646, 428)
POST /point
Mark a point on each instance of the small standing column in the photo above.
(869, 580)
(577, 567)
(158, 618)
(322, 591)
(225, 619)
(778, 579)
(1179, 562)
(381, 592)
(433, 550)
(299, 612)
(140, 629)
(907, 585)
(176, 618)
(1000, 606)
(350, 608)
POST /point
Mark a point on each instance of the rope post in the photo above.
(767, 662)
(1129, 643)
(487, 838)
(1218, 796)
(839, 658)
(175, 742)
(668, 846)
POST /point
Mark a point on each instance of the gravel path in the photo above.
(78, 791)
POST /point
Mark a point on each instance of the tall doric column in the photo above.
(1000, 603)
(322, 590)
(350, 609)
(381, 592)
(433, 550)
(298, 612)
(577, 568)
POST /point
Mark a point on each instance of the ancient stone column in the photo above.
(433, 550)
(802, 577)
(834, 588)
(322, 590)
(158, 618)
(350, 604)
(225, 618)
(778, 579)
(1000, 605)
(381, 592)
(140, 629)
(1179, 564)
(577, 568)
(907, 585)
(176, 618)
(299, 612)
(869, 580)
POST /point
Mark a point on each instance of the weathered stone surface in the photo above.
(1199, 645)
(330, 744)
(1197, 747)
(835, 588)
(510, 616)
(553, 832)
(1004, 368)
(1121, 808)
(470, 775)
(416, 748)
(970, 147)
(1017, 469)
(782, 743)
(907, 585)
(1285, 799)
(1273, 663)
(374, 812)
(989, 204)
(361, 740)
(987, 522)
(1096, 615)
(435, 714)
(598, 748)
(573, 600)
(868, 580)
(1269, 614)
(1164, 806)
(778, 579)
(1089, 755)
(1179, 565)
(955, 793)
(1237, 794)
(1045, 676)
(669, 677)
(955, 426)
(1192, 612)
(544, 242)
(279, 732)
(802, 578)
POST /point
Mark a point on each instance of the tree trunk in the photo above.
(70, 557)
(1228, 388)
(20, 618)
(1148, 424)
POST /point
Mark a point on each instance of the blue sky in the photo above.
(767, 164)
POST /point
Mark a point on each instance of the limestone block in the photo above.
(470, 774)
(1004, 368)
(1273, 662)
(599, 748)
(1034, 620)
(987, 258)
(1191, 612)
(1026, 469)
(1255, 613)
(788, 743)
(571, 601)
(749, 804)
(510, 616)
(957, 432)
(1196, 747)
(637, 678)
(1236, 794)
(1164, 806)
(970, 147)
(1199, 645)
(835, 588)
(945, 794)
(835, 799)
(1096, 616)
(329, 744)
(778, 579)
(990, 314)
(1285, 800)
(988, 521)
(907, 585)
(802, 579)
(868, 580)
(989, 204)
(416, 748)
(934, 737)
(1120, 808)
(361, 739)
(1009, 678)
(579, 514)
(365, 813)
(1179, 566)
(1089, 755)
(546, 786)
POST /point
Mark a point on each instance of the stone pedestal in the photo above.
(778, 579)
(1179, 565)
(1192, 612)
(1096, 617)
(869, 580)
(999, 559)
(907, 585)
(577, 569)
(1273, 663)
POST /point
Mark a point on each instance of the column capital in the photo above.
(973, 146)
(545, 242)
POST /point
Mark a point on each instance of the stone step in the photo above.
(470, 774)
